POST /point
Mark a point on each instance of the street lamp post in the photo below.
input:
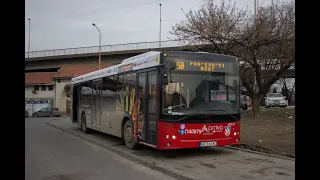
(29, 38)
(93, 24)
(160, 28)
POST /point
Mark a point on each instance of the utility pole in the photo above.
(29, 38)
(255, 29)
(255, 11)
(160, 28)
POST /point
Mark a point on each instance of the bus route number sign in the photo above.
(199, 66)
(125, 68)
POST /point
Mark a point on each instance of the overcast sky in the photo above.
(57, 24)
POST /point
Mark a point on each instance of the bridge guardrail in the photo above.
(104, 48)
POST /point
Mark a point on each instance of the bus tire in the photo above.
(84, 123)
(128, 135)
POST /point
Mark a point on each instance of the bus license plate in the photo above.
(206, 144)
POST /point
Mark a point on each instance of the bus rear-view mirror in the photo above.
(168, 67)
(172, 65)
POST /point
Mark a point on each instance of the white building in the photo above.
(39, 91)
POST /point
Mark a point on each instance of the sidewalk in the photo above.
(206, 164)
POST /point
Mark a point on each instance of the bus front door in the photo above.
(148, 94)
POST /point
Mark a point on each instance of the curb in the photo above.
(261, 153)
(148, 164)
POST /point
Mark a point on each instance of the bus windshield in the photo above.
(189, 92)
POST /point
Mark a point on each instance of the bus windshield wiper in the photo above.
(199, 113)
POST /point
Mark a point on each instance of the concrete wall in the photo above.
(60, 96)
(40, 93)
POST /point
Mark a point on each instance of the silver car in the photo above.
(275, 100)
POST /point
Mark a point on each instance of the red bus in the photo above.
(165, 100)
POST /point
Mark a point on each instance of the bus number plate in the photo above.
(206, 144)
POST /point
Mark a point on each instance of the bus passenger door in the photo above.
(152, 106)
(140, 104)
(147, 94)
(95, 110)
(93, 105)
(98, 104)
(75, 103)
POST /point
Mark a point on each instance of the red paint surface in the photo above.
(196, 133)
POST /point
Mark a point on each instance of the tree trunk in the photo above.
(256, 105)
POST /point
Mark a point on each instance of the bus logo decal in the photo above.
(182, 126)
(227, 130)
(204, 129)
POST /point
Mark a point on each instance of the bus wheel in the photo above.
(84, 123)
(128, 135)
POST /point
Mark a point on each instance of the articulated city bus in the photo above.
(165, 100)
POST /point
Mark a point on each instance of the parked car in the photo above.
(275, 100)
(243, 102)
(26, 114)
(47, 112)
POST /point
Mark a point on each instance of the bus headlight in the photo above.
(167, 136)
(174, 137)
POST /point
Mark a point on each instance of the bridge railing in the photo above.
(104, 48)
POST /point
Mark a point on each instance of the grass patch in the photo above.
(272, 132)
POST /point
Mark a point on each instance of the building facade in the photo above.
(39, 91)
(51, 89)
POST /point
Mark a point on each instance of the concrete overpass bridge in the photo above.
(52, 60)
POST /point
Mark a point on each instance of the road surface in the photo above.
(205, 163)
(51, 154)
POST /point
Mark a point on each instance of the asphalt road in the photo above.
(203, 163)
(51, 154)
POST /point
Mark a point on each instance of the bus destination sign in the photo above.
(124, 68)
(204, 66)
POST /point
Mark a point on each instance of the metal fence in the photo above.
(104, 48)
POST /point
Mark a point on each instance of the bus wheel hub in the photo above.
(128, 135)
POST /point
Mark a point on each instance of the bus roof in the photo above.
(141, 61)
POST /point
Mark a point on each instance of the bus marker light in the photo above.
(167, 136)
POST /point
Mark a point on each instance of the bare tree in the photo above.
(212, 25)
(263, 43)
(67, 89)
(288, 87)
